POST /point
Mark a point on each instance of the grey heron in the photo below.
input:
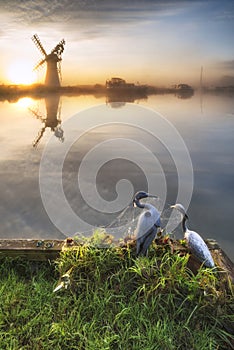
(148, 223)
(195, 242)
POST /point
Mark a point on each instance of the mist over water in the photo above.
(205, 123)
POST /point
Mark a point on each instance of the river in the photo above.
(72, 163)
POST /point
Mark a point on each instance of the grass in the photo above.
(115, 301)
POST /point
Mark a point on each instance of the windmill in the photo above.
(53, 61)
(51, 120)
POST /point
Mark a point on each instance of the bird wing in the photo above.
(145, 222)
(143, 242)
(146, 230)
(199, 248)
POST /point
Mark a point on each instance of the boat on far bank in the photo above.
(120, 85)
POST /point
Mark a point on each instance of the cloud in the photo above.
(91, 17)
(228, 64)
(111, 34)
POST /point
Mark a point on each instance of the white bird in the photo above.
(64, 282)
(148, 223)
(195, 242)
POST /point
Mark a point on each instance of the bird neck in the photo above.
(184, 226)
(139, 204)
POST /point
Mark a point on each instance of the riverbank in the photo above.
(12, 93)
(115, 301)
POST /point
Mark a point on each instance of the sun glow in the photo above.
(25, 103)
(21, 73)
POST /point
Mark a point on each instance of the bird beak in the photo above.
(172, 206)
(134, 203)
(152, 196)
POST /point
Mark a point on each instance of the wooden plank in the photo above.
(31, 249)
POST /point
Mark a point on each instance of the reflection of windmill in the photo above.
(52, 119)
(53, 61)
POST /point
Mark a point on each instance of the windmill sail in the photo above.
(40, 63)
(38, 44)
(52, 60)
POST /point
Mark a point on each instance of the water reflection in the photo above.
(185, 94)
(208, 136)
(116, 99)
(51, 120)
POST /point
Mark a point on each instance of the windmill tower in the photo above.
(53, 61)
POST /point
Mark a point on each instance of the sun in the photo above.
(21, 73)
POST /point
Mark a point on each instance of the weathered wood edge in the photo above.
(31, 249)
(42, 250)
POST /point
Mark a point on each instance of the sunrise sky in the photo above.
(154, 42)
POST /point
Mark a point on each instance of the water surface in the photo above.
(206, 126)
